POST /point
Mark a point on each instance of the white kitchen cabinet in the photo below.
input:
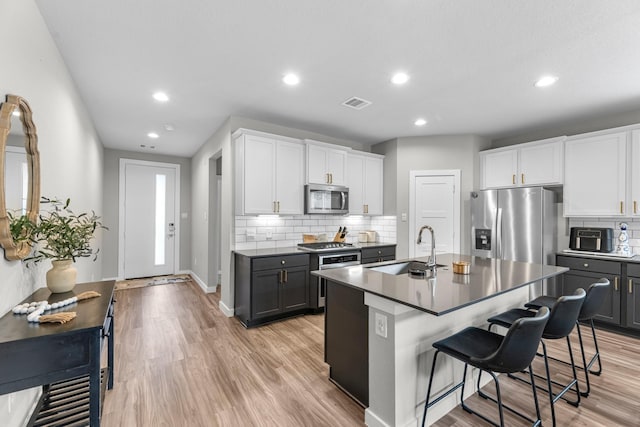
(532, 163)
(634, 200)
(269, 174)
(499, 168)
(326, 163)
(365, 182)
(595, 175)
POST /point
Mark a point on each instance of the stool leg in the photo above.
(538, 421)
(584, 363)
(597, 355)
(575, 375)
(546, 367)
(426, 402)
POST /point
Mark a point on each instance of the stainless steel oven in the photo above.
(336, 260)
(325, 255)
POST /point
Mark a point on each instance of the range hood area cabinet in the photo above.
(269, 174)
(365, 182)
(602, 175)
(530, 164)
(326, 163)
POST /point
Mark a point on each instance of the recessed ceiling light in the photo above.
(420, 122)
(291, 79)
(545, 81)
(161, 97)
(153, 135)
(399, 78)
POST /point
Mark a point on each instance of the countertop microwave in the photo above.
(326, 199)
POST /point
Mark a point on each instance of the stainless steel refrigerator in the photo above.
(518, 224)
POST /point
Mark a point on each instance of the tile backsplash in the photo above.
(257, 232)
(633, 229)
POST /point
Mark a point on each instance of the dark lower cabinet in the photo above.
(346, 340)
(633, 296)
(377, 254)
(585, 271)
(270, 288)
(621, 306)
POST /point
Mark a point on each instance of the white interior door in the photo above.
(148, 225)
(435, 201)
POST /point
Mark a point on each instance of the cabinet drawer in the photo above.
(379, 252)
(633, 269)
(280, 262)
(589, 264)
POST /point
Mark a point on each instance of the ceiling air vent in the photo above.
(356, 103)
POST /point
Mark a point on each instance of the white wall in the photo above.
(430, 153)
(71, 153)
(218, 144)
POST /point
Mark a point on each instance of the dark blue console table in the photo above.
(42, 354)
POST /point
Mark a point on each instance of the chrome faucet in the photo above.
(431, 263)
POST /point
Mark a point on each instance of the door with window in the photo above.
(148, 221)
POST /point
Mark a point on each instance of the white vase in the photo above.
(62, 276)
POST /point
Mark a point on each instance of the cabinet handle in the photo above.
(615, 283)
(274, 207)
(513, 179)
(630, 286)
(278, 203)
(330, 178)
(286, 276)
(280, 276)
(522, 178)
(635, 206)
(621, 207)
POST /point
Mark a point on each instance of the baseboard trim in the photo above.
(226, 310)
(206, 289)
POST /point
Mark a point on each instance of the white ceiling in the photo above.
(472, 65)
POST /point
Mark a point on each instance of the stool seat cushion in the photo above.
(507, 318)
(542, 301)
(470, 344)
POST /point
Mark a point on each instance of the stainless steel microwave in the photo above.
(326, 199)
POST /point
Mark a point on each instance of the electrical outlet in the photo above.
(269, 233)
(195, 260)
(381, 325)
(403, 217)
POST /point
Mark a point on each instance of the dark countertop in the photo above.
(488, 277)
(602, 256)
(293, 250)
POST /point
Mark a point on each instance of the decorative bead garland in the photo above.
(37, 308)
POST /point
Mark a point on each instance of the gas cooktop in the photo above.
(324, 246)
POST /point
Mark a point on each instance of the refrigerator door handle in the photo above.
(499, 234)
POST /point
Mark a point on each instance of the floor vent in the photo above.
(356, 103)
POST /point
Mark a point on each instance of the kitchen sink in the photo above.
(417, 268)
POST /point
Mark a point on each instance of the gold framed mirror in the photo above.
(19, 175)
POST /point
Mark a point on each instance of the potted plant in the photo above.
(63, 236)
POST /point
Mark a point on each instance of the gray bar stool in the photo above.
(562, 319)
(593, 301)
(491, 352)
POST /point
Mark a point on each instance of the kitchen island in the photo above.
(381, 323)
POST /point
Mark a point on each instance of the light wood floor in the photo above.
(181, 362)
